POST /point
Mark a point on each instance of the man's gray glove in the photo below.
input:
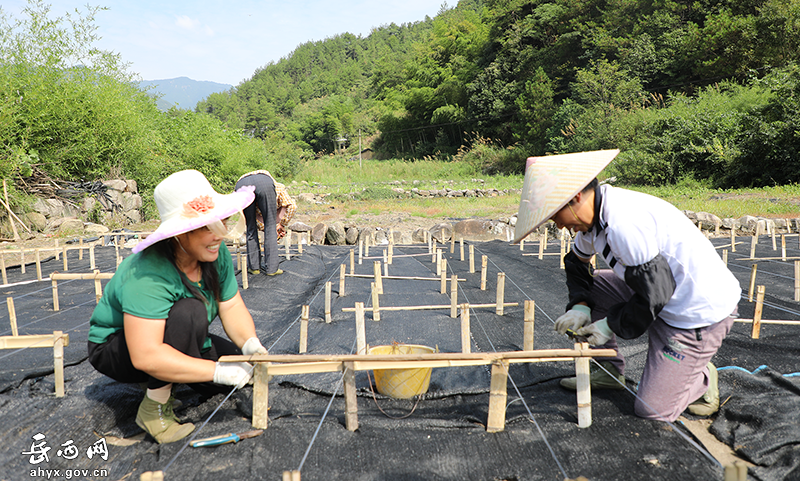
(233, 374)
(253, 346)
(574, 319)
(597, 333)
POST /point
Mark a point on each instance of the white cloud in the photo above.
(184, 21)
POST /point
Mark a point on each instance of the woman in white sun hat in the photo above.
(665, 279)
(151, 325)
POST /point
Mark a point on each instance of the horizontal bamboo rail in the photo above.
(432, 306)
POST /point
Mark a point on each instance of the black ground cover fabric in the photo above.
(445, 437)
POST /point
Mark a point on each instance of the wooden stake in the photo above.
(91, 257)
(260, 395)
(300, 236)
(385, 264)
(453, 296)
(55, 294)
(484, 264)
(360, 256)
(466, 344)
(461, 248)
(328, 302)
(438, 261)
(522, 245)
(98, 288)
(58, 362)
(756, 331)
(774, 246)
(66, 267)
(753, 242)
(443, 276)
(350, 398)
(376, 309)
(80, 249)
(733, 237)
(725, 256)
(584, 390)
(391, 253)
(378, 280)
(366, 247)
(452, 244)
(22, 260)
(752, 282)
(501, 292)
(303, 329)
(497, 397)
(472, 258)
(353, 261)
(3, 267)
(38, 255)
(361, 335)
(341, 279)
(12, 316)
(527, 337)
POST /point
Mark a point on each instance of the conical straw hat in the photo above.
(552, 181)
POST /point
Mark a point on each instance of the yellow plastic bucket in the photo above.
(402, 383)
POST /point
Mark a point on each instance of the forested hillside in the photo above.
(706, 90)
(684, 88)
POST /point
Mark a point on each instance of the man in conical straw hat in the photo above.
(664, 278)
(151, 325)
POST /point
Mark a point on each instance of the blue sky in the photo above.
(226, 41)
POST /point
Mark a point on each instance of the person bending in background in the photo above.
(665, 279)
(275, 208)
(151, 325)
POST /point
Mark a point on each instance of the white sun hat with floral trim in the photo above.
(552, 181)
(186, 201)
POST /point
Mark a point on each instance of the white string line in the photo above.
(45, 340)
(680, 432)
(510, 378)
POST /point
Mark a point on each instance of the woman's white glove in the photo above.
(233, 374)
(574, 319)
(598, 333)
(253, 346)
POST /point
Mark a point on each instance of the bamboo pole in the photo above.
(66, 264)
(797, 281)
(527, 339)
(783, 247)
(38, 255)
(353, 261)
(260, 395)
(22, 260)
(484, 264)
(562, 252)
(83, 276)
(752, 282)
(402, 278)
(438, 262)
(756, 331)
(293, 475)
(98, 288)
(584, 390)
(328, 287)
(461, 248)
(385, 264)
(433, 307)
(300, 237)
(350, 398)
(725, 256)
(91, 256)
(753, 242)
(498, 395)
(303, 329)
(55, 293)
(287, 242)
(361, 336)
(58, 362)
(12, 316)
(360, 255)
(376, 309)
(342, 275)
(453, 296)
(56, 253)
(443, 276)
(390, 250)
(769, 321)
(452, 244)
(472, 258)
(466, 344)
(245, 279)
(3, 267)
(733, 237)
(377, 272)
(501, 292)
(522, 245)
(542, 243)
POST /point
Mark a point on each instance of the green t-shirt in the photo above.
(147, 285)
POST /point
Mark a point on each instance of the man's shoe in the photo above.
(253, 272)
(159, 421)
(276, 273)
(709, 403)
(598, 378)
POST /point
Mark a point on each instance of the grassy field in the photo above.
(366, 188)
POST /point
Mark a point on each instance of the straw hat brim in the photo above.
(552, 181)
(225, 205)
